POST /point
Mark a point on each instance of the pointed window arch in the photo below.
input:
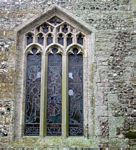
(61, 65)
(60, 33)
(54, 103)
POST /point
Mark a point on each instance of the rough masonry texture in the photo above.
(112, 77)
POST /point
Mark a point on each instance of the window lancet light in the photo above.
(33, 90)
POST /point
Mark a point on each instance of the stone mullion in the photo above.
(65, 41)
(44, 42)
(55, 35)
(64, 97)
(43, 107)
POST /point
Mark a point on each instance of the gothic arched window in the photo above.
(75, 92)
(63, 32)
(54, 93)
(33, 87)
(55, 77)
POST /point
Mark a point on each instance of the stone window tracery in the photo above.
(55, 31)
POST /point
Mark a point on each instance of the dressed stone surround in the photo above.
(111, 88)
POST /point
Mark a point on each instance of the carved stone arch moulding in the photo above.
(31, 46)
(58, 29)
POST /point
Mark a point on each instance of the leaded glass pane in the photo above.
(80, 39)
(69, 39)
(55, 20)
(75, 93)
(32, 100)
(65, 28)
(49, 39)
(29, 38)
(40, 39)
(54, 102)
(45, 28)
(61, 39)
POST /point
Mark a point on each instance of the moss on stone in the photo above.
(58, 142)
(131, 135)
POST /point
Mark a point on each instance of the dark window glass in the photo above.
(65, 28)
(38, 29)
(69, 39)
(40, 39)
(32, 100)
(80, 39)
(75, 93)
(54, 103)
(45, 28)
(29, 38)
(58, 29)
(55, 21)
(49, 39)
(61, 39)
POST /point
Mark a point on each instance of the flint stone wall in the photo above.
(113, 78)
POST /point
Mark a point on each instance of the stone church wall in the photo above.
(113, 71)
